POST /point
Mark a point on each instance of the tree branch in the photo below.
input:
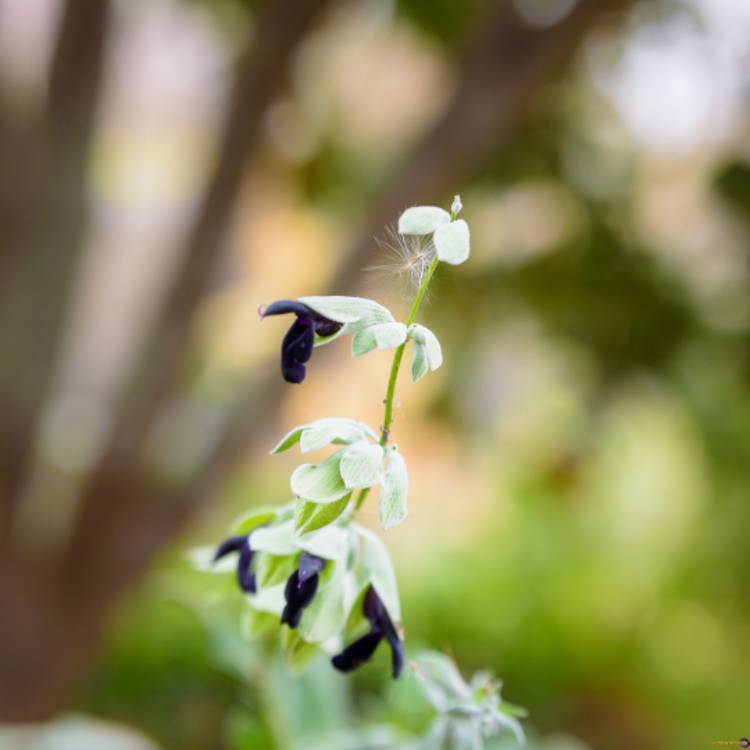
(43, 204)
(262, 76)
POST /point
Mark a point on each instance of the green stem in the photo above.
(395, 366)
(399, 355)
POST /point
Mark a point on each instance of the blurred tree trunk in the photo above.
(54, 608)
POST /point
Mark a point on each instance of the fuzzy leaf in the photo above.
(298, 653)
(202, 558)
(254, 518)
(348, 309)
(440, 680)
(379, 569)
(394, 492)
(325, 431)
(424, 336)
(278, 540)
(312, 516)
(422, 219)
(326, 615)
(290, 439)
(426, 352)
(272, 569)
(256, 623)
(452, 242)
(419, 365)
(330, 543)
(320, 433)
(362, 465)
(320, 483)
(380, 336)
(270, 599)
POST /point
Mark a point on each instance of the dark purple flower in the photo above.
(297, 346)
(241, 545)
(301, 587)
(381, 627)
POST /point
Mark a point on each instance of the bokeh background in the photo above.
(579, 498)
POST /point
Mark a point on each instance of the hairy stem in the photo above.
(399, 355)
(395, 366)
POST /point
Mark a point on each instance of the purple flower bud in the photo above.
(297, 346)
(241, 545)
(381, 627)
(300, 588)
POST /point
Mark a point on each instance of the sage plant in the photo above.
(308, 565)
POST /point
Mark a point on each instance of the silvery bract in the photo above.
(319, 483)
(362, 465)
(320, 433)
(426, 352)
(450, 236)
(452, 242)
(422, 220)
(380, 336)
(348, 309)
(394, 492)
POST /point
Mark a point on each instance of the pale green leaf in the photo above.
(333, 430)
(273, 569)
(298, 653)
(440, 680)
(419, 365)
(330, 543)
(202, 558)
(348, 309)
(254, 518)
(425, 337)
(363, 342)
(426, 352)
(422, 219)
(290, 439)
(388, 335)
(278, 540)
(256, 623)
(319, 483)
(356, 624)
(452, 242)
(326, 615)
(380, 336)
(320, 433)
(312, 516)
(379, 570)
(362, 465)
(270, 599)
(393, 495)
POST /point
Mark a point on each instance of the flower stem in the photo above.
(395, 366)
(399, 354)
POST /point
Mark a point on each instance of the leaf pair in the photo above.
(450, 237)
(324, 489)
(426, 352)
